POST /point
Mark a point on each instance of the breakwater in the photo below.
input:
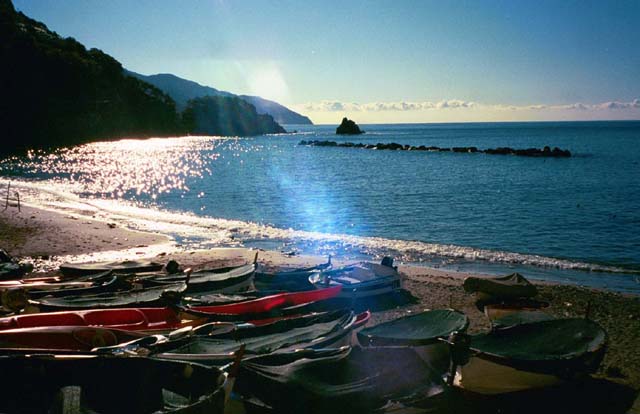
(528, 152)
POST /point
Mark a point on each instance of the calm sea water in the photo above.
(575, 219)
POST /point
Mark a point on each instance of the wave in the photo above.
(193, 231)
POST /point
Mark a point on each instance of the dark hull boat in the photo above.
(360, 280)
(338, 380)
(159, 296)
(126, 267)
(106, 283)
(41, 384)
(289, 280)
(511, 286)
(325, 330)
(422, 331)
(222, 280)
(15, 294)
(532, 355)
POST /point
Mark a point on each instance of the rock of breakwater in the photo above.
(529, 152)
(348, 127)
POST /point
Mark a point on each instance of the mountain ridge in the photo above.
(182, 90)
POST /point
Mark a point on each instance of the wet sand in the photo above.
(34, 233)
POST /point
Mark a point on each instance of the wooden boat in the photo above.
(63, 338)
(128, 266)
(102, 384)
(532, 355)
(163, 295)
(360, 280)
(337, 380)
(422, 331)
(212, 344)
(222, 280)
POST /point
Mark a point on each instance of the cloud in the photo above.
(620, 105)
(336, 106)
(454, 104)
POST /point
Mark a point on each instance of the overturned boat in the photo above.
(513, 286)
(290, 279)
(423, 331)
(163, 295)
(220, 280)
(532, 355)
(337, 380)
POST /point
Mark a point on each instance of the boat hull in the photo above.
(486, 377)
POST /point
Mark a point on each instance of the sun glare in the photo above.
(269, 83)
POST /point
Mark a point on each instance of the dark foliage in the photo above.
(56, 92)
(227, 116)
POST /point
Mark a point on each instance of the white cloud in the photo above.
(453, 104)
(336, 106)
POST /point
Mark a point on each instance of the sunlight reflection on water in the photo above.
(126, 168)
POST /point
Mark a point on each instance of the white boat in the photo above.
(361, 280)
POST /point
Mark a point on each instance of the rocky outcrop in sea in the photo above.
(528, 152)
(348, 127)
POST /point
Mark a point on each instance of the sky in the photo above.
(380, 61)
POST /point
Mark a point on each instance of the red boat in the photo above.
(268, 303)
(65, 338)
(131, 319)
(157, 320)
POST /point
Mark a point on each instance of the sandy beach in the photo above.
(49, 237)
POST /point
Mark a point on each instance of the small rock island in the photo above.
(348, 127)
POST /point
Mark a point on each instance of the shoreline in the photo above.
(48, 238)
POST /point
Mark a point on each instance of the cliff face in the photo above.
(227, 116)
(56, 92)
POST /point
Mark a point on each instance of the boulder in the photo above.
(348, 127)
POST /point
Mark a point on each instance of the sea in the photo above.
(570, 220)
